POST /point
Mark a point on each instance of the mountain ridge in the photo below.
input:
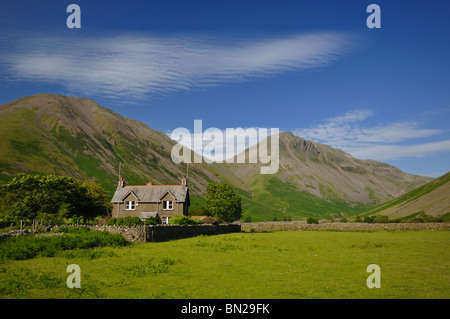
(49, 133)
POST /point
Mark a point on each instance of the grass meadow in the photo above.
(275, 265)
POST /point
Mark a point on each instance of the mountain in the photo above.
(431, 199)
(316, 177)
(73, 136)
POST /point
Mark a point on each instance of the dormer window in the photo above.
(130, 205)
(167, 205)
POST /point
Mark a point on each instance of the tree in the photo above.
(91, 201)
(223, 202)
(51, 198)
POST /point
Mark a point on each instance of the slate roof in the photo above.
(151, 193)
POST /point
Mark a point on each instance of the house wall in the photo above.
(178, 208)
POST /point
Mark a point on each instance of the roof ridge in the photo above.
(150, 185)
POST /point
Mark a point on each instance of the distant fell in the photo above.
(315, 177)
(431, 199)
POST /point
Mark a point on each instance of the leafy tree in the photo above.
(91, 201)
(312, 220)
(223, 202)
(51, 198)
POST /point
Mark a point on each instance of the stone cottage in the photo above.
(144, 201)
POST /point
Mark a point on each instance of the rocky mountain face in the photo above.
(328, 174)
(74, 136)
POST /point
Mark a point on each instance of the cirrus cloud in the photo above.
(138, 66)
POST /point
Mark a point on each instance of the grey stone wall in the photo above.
(158, 233)
(155, 233)
(301, 225)
(130, 233)
(167, 232)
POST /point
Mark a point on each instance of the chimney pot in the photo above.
(121, 183)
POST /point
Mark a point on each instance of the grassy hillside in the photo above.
(76, 137)
(281, 200)
(432, 199)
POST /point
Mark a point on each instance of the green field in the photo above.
(279, 265)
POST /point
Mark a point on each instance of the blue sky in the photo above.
(310, 67)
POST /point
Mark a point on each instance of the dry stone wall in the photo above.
(166, 232)
(158, 233)
(293, 225)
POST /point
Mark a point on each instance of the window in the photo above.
(167, 204)
(130, 205)
(165, 220)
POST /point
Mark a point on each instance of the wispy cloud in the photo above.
(386, 141)
(138, 66)
(387, 152)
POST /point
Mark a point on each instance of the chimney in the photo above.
(184, 181)
(121, 183)
(149, 182)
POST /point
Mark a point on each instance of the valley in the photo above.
(74, 136)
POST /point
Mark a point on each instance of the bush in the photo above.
(369, 219)
(381, 219)
(184, 220)
(5, 222)
(152, 221)
(27, 246)
(358, 219)
(312, 220)
(131, 221)
(210, 220)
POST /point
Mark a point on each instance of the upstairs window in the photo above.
(167, 205)
(130, 205)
